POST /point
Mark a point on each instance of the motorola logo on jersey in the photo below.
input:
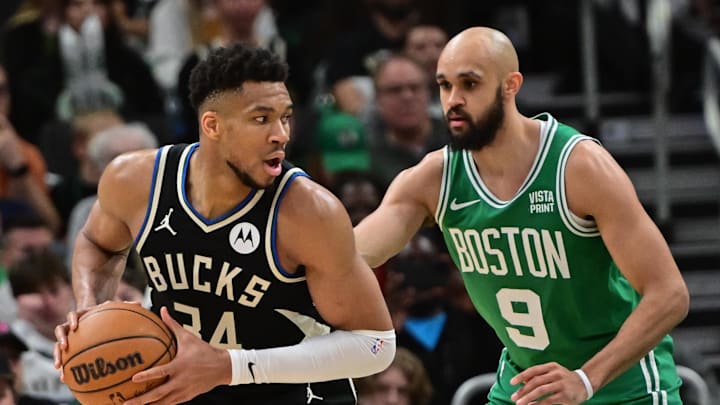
(244, 238)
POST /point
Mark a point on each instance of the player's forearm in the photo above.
(340, 354)
(95, 273)
(656, 314)
(378, 240)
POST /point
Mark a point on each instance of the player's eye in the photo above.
(285, 118)
(261, 119)
(444, 85)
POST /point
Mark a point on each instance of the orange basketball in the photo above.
(113, 342)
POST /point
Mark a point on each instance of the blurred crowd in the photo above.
(82, 81)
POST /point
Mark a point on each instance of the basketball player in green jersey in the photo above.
(555, 250)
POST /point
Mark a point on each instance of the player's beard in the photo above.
(245, 178)
(480, 132)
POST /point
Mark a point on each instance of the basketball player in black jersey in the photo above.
(251, 264)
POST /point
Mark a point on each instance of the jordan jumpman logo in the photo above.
(311, 395)
(165, 223)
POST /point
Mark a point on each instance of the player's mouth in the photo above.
(457, 122)
(456, 119)
(273, 166)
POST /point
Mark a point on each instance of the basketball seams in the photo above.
(160, 324)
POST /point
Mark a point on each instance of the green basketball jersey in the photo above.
(539, 275)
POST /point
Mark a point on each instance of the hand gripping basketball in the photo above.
(112, 342)
(197, 368)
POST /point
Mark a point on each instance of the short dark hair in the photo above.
(37, 270)
(228, 68)
(20, 215)
(390, 58)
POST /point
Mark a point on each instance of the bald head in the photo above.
(483, 46)
(478, 78)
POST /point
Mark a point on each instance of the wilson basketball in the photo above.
(113, 342)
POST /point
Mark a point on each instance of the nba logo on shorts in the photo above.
(377, 346)
(244, 238)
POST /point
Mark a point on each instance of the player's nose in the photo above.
(280, 134)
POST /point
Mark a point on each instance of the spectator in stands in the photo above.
(7, 380)
(64, 47)
(424, 44)
(450, 343)
(30, 54)
(401, 130)
(41, 285)
(131, 18)
(359, 192)
(22, 167)
(405, 382)
(98, 65)
(23, 232)
(341, 144)
(82, 180)
(357, 53)
(102, 148)
(11, 350)
(170, 40)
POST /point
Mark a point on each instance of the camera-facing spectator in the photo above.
(41, 285)
(400, 129)
(405, 382)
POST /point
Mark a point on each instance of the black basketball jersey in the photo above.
(222, 279)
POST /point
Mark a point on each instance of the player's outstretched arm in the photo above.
(597, 187)
(408, 203)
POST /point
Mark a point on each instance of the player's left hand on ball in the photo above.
(196, 369)
(548, 384)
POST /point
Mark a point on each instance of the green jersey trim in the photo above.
(579, 226)
(547, 132)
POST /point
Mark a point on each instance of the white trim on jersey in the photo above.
(579, 226)
(444, 188)
(547, 133)
(268, 230)
(154, 198)
(207, 228)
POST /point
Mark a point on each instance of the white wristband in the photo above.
(586, 383)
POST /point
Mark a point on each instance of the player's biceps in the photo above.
(333, 296)
(107, 232)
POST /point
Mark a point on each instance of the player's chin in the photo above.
(264, 181)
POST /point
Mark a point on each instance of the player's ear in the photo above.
(210, 124)
(513, 82)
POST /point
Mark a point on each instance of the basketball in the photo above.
(113, 342)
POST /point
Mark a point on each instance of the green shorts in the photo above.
(652, 381)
